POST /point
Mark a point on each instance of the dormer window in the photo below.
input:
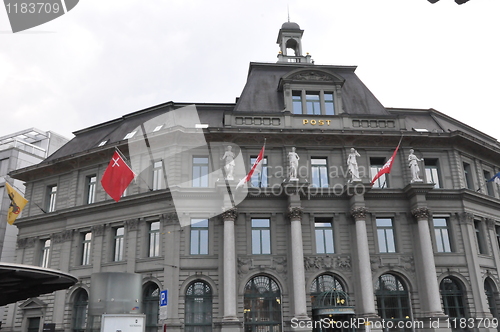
(312, 91)
(313, 102)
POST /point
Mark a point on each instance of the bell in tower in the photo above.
(290, 41)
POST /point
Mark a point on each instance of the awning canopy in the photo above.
(19, 282)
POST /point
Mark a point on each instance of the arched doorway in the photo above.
(198, 312)
(393, 300)
(150, 299)
(262, 305)
(492, 296)
(330, 304)
(452, 293)
(80, 307)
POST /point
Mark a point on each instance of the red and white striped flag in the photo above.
(386, 169)
(256, 167)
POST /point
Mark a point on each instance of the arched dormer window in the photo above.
(312, 92)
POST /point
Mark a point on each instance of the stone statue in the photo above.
(293, 159)
(230, 164)
(413, 164)
(352, 165)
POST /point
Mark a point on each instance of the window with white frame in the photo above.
(442, 234)
(432, 172)
(119, 238)
(259, 179)
(199, 237)
(154, 239)
(385, 235)
(319, 173)
(86, 254)
(313, 102)
(91, 188)
(323, 229)
(51, 198)
(158, 175)
(45, 253)
(261, 236)
(200, 171)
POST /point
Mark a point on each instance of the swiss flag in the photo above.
(117, 177)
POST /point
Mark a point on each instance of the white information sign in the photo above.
(123, 323)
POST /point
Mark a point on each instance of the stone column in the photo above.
(132, 229)
(427, 272)
(230, 305)
(298, 273)
(367, 299)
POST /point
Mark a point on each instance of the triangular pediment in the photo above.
(33, 303)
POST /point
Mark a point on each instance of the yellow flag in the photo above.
(17, 203)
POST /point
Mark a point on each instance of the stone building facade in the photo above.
(284, 254)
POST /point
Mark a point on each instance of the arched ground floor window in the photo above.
(262, 305)
(198, 307)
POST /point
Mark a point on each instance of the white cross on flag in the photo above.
(117, 177)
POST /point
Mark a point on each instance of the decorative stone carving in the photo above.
(490, 223)
(421, 213)
(295, 213)
(230, 214)
(98, 230)
(327, 263)
(403, 262)
(169, 218)
(359, 213)
(278, 264)
(26, 243)
(466, 218)
(312, 76)
(132, 224)
(63, 236)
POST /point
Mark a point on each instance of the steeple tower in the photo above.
(290, 41)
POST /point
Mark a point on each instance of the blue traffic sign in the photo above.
(164, 298)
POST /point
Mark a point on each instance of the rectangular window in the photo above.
(200, 171)
(432, 172)
(119, 239)
(489, 185)
(259, 180)
(313, 105)
(324, 236)
(319, 173)
(468, 176)
(329, 105)
(376, 165)
(261, 237)
(45, 254)
(442, 233)
(33, 324)
(297, 102)
(385, 235)
(91, 188)
(199, 237)
(86, 248)
(497, 229)
(157, 175)
(51, 198)
(481, 246)
(154, 239)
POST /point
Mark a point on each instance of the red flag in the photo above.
(386, 169)
(256, 167)
(117, 177)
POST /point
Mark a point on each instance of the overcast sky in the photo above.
(107, 58)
